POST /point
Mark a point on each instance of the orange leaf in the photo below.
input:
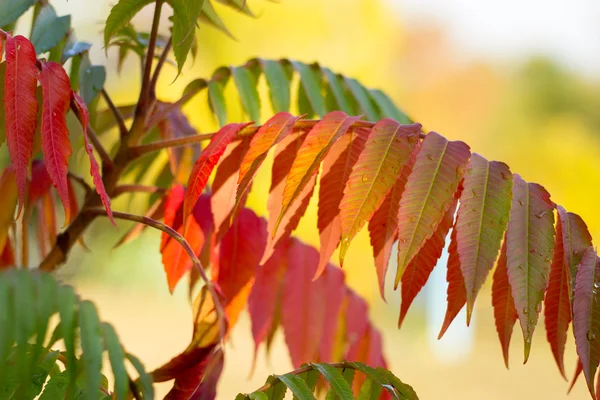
(56, 146)
(84, 117)
(336, 170)
(388, 148)
(456, 295)
(21, 107)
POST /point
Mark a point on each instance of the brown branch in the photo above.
(117, 114)
(121, 189)
(183, 242)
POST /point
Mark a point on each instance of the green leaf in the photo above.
(25, 322)
(258, 396)
(406, 391)
(75, 48)
(337, 89)
(337, 381)
(311, 82)
(91, 81)
(369, 390)
(246, 86)
(185, 16)
(362, 97)
(387, 107)
(10, 10)
(57, 387)
(120, 15)
(116, 356)
(279, 85)
(304, 106)
(91, 345)
(66, 304)
(38, 378)
(277, 391)
(216, 100)
(49, 29)
(6, 326)
(297, 386)
(238, 5)
(210, 17)
(145, 379)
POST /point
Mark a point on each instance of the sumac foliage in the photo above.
(376, 169)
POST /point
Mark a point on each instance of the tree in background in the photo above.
(376, 168)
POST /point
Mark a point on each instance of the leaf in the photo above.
(8, 203)
(10, 11)
(456, 295)
(117, 357)
(586, 315)
(55, 135)
(335, 379)
(66, 304)
(185, 16)
(387, 149)
(430, 189)
(297, 386)
(240, 253)
(419, 269)
(361, 96)
(310, 81)
(91, 345)
(279, 85)
(206, 163)
(383, 225)
(245, 83)
(505, 313)
(84, 117)
(387, 107)
(74, 49)
(49, 29)
(216, 100)
(557, 306)
(482, 219)
(337, 90)
(120, 15)
(303, 316)
(357, 321)
(2, 96)
(333, 278)
(91, 81)
(529, 245)
(21, 107)
(145, 379)
(210, 16)
(312, 151)
(238, 5)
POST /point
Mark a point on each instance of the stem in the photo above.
(141, 112)
(182, 241)
(159, 65)
(118, 116)
(121, 189)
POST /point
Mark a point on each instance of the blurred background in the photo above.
(519, 81)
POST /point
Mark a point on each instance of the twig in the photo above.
(121, 189)
(158, 68)
(97, 211)
(117, 114)
(80, 181)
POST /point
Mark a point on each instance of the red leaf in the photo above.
(40, 182)
(333, 279)
(1, 46)
(456, 295)
(557, 306)
(586, 315)
(432, 185)
(239, 255)
(367, 350)
(303, 318)
(7, 257)
(55, 135)
(482, 218)
(268, 135)
(578, 371)
(422, 264)
(337, 167)
(224, 186)
(313, 150)
(21, 107)
(206, 163)
(173, 202)
(84, 117)
(576, 239)
(357, 318)
(383, 226)
(505, 313)
(529, 245)
(388, 148)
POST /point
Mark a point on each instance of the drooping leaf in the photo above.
(481, 222)
(20, 106)
(557, 306)
(333, 278)
(388, 108)
(120, 15)
(8, 203)
(310, 154)
(419, 269)
(49, 29)
(505, 313)
(430, 188)
(297, 386)
(586, 315)
(456, 295)
(303, 315)
(336, 380)
(55, 135)
(310, 83)
(383, 226)
(337, 90)
(357, 321)
(84, 117)
(210, 17)
(362, 97)
(216, 100)
(205, 164)
(91, 81)
(185, 17)
(91, 345)
(388, 148)
(11, 10)
(246, 86)
(145, 381)
(529, 245)
(116, 356)
(279, 85)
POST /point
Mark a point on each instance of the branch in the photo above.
(183, 242)
(159, 65)
(121, 189)
(117, 114)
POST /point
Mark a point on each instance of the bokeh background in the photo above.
(517, 80)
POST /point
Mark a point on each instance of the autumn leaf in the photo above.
(333, 279)
(456, 296)
(84, 117)
(20, 107)
(430, 189)
(529, 245)
(8, 203)
(388, 148)
(56, 146)
(576, 239)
